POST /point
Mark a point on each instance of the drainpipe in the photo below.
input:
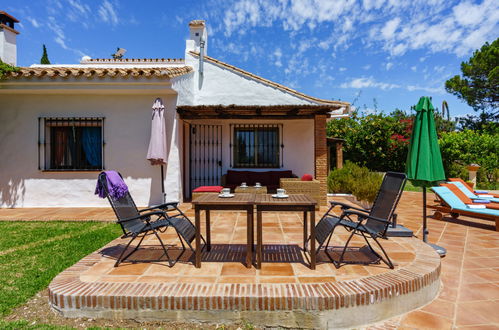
(201, 55)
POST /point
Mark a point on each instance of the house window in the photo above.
(257, 146)
(71, 144)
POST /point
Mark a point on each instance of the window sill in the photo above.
(256, 167)
(72, 171)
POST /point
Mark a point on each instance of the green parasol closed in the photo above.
(424, 162)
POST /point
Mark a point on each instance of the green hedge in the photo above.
(380, 143)
(460, 149)
(356, 180)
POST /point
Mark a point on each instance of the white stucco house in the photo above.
(60, 125)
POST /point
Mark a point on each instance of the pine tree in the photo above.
(45, 57)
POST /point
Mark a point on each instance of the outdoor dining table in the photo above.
(293, 203)
(209, 202)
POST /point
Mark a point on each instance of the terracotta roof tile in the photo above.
(9, 16)
(197, 22)
(272, 83)
(3, 26)
(63, 72)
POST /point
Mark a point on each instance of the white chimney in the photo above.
(8, 46)
(198, 37)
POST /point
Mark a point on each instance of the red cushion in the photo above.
(307, 177)
(208, 189)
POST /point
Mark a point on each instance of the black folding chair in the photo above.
(137, 223)
(372, 223)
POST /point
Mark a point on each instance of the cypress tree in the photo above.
(45, 57)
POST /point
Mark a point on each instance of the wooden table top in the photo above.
(213, 199)
(298, 199)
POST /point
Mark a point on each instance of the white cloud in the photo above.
(364, 82)
(414, 68)
(342, 69)
(277, 55)
(366, 67)
(433, 26)
(33, 22)
(388, 66)
(370, 82)
(435, 90)
(388, 31)
(60, 37)
(107, 13)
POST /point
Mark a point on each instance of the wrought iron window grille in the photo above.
(66, 152)
(256, 146)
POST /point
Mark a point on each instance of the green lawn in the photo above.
(33, 253)
(410, 187)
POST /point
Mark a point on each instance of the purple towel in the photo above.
(481, 201)
(116, 187)
(481, 192)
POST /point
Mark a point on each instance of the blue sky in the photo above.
(381, 54)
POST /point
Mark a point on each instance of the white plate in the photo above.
(226, 196)
(280, 196)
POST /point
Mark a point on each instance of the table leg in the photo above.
(198, 237)
(208, 231)
(259, 238)
(312, 239)
(305, 231)
(253, 231)
(249, 241)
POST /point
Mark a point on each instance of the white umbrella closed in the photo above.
(157, 153)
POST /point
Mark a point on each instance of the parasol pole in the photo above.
(163, 183)
(425, 230)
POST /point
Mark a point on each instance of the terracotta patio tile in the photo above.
(197, 279)
(165, 270)
(277, 279)
(316, 279)
(236, 279)
(130, 269)
(480, 276)
(441, 307)
(207, 268)
(424, 320)
(119, 279)
(90, 278)
(324, 269)
(158, 279)
(478, 313)
(234, 268)
(478, 291)
(276, 269)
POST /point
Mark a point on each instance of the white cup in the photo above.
(243, 184)
(258, 184)
(281, 192)
(226, 191)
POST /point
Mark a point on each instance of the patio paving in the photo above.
(469, 294)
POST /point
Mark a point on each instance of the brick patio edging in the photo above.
(378, 296)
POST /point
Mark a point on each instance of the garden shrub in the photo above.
(380, 142)
(6, 68)
(460, 149)
(377, 141)
(356, 180)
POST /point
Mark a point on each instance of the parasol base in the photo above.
(398, 231)
(440, 250)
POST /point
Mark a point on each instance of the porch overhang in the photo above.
(293, 111)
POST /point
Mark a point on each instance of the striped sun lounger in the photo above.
(450, 203)
(472, 195)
